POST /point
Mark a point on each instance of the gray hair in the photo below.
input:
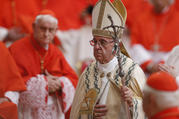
(46, 17)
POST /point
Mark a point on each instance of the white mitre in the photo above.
(100, 20)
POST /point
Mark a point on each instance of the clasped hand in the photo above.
(53, 83)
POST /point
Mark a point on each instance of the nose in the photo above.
(46, 32)
(98, 45)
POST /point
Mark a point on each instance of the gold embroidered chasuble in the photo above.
(89, 90)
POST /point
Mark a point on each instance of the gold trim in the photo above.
(101, 13)
(89, 101)
(136, 97)
(104, 33)
(136, 88)
(114, 83)
(99, 32)
(117, 12)
(102, 9)
(101, 75)
(120, 8)
(123, 50)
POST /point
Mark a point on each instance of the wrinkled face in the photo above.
(103, 49)
(44, 31)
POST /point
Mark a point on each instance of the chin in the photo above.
(46, 42)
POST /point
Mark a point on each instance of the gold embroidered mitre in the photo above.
(100, 20)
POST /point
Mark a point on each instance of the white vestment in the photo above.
(104, 78)
(36, 103)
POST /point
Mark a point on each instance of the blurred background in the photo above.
(151, 28)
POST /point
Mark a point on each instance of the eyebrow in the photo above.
(100, 39)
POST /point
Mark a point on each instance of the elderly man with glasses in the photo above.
(110, 87)
(49, 79)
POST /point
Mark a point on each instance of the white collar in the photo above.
(108, 67)
(46, 47)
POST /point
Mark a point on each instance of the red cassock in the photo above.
(154, 35)
(152, 28)
(18, 13)
(134, 9)
(177, 4)
(8, 110)
(67, 11)
(10, 81)
(171, 113)
(29, 56)
(21, 13)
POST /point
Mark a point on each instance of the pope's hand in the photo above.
(127, 95)
(99, 111)
(53, 85)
